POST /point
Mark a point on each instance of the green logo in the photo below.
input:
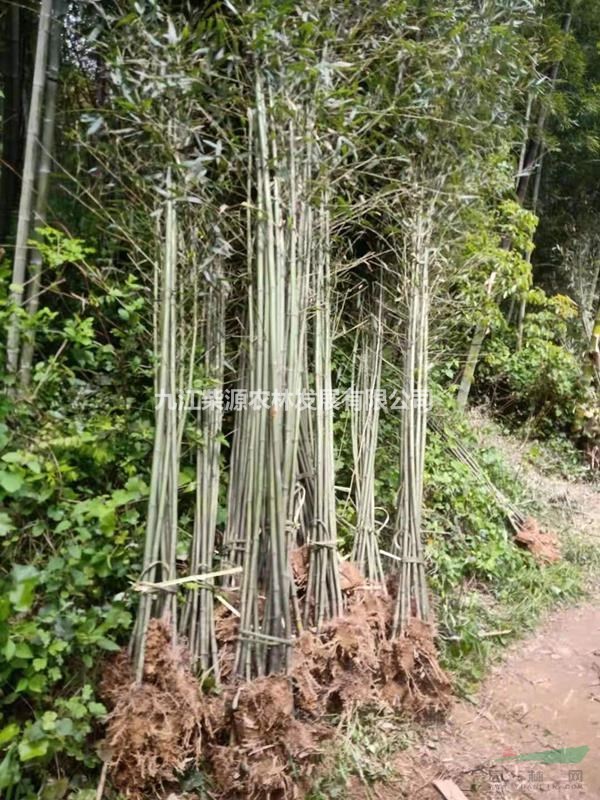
(566, 755)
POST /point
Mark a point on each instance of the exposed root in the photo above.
(154, 729)
(350, 576)
(249, 736)
(413, 678)
(226, 631)
(300, 559)
(265, 738)
(337, 669)
(540, 543)
(352, 664)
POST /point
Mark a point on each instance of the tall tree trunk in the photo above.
(523, 300)
(468, 374)
(27, 185)
(43, 183)
(535, 147)
(12, 117)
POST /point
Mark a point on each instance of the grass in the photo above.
(477, 624)
(558, 457)
(365, 750)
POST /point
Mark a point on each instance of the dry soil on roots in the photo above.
(543, 544)
(154, 730)
(545, 696)
(264, 739)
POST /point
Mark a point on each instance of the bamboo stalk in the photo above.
(412, 596)
(28, 186)
(161, 526)
(323, 596)
(43, 185)
(364, 424)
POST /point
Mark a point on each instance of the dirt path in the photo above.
(544, 696)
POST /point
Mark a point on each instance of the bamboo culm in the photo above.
(19, 272)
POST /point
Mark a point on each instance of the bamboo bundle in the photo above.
(323, 597)
(459, 451)
(159, 561)
(412, 598)
(365, 425)
(263, 488)
(198, 618)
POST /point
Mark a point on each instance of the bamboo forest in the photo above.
(300, 420)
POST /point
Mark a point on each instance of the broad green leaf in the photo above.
(55, 789)
(11, 482)
(37, 683)
(8, 733)
(108, 644)
(23, 650)
(10, 648)
(6, 524)
(64, 726)
(29, 750)
(25, 578)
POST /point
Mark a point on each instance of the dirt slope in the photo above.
(569, 505)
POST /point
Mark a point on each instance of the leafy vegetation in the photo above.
(488, 591)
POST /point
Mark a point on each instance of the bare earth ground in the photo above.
(544, 695)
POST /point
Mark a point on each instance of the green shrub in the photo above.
(543, 380)
(73, 472)
(487, 590)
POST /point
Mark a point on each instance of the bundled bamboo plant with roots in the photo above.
(412, 596)
(289, 296)
(265, 627)
(411, 654)
(323, 598)
(367, 360)
(159, 562)
(198, 616)
(266, 593)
